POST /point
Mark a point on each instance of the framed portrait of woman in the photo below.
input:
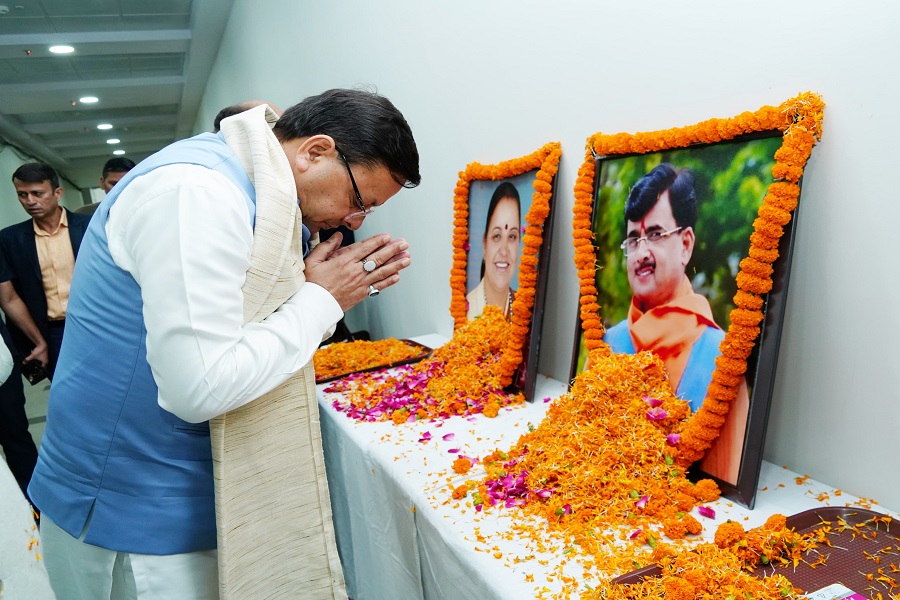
(688, 255)
(503, 220)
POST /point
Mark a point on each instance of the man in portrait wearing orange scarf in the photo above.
(666, 316)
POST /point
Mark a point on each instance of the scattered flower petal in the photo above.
(453, 450)
(642, 502)
(425, 437)
(657, 414)
(707, 512)
(653, 402)
(448, 437)
(636, 533)
(673, 438)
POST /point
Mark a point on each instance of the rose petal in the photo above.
(547, 399)
(448, 437)
(673, 438)
(657, 414)
(453, 450)
(707, 512)
(636, 533)
(642, 502)
(653, 402)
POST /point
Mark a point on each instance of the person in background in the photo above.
(666, 316)
(501, 243)
(236, 109)
(39, 257)
(113, 170)
(22, 571)
(160, 343)
(15, 439)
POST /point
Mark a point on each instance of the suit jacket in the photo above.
(19, 264)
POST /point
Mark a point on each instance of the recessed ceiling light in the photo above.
(104, 126)
(88, 99)
(62, 49)
(118, 152)
(112, 141)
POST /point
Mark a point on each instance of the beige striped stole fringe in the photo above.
(273, 514)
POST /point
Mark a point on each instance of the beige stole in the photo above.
(273, 514)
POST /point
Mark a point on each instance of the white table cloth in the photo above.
(401, 536)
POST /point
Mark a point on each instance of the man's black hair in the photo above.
(646, 192)
(365, 126)
(36, 173)
(117, 164)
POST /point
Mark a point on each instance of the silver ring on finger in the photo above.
(368, 265)
(373, 291)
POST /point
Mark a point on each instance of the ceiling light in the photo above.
(112, 141)
(104, 126)
(62, 49)
(88, 99)
(118, 152)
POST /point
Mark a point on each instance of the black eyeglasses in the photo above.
(363, 211)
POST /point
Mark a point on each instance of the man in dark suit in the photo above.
(38, 258)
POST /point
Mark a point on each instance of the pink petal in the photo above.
(657, 414)
(653, 402)
(425, 437)
(636, 533)
(448, 437)
(707, 512)
(453, 450)
(547, 399)
(673, 438)
(543, 494)
(642, 502)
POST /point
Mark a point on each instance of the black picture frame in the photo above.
(761, 365)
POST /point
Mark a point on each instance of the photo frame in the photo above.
(489, 196)
(746, 174)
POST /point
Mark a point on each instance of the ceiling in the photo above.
(147, 61)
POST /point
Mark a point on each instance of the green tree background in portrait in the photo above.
(730, 179)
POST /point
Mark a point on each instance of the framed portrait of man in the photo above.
(503, 221)
(674, 235)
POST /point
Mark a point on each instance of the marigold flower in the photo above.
(462, 465)
(728, 534)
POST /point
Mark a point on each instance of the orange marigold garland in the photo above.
(546, 160)
(800, 119)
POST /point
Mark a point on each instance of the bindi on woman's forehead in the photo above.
(506, 226)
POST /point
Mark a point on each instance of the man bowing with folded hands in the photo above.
(182, 441)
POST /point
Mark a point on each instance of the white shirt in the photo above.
(183, 232)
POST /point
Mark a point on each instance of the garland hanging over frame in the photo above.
(800, 120)
(546, 160)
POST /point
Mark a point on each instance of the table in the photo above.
(400, 536)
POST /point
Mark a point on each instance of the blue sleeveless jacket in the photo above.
(700, 365)
(111, 458)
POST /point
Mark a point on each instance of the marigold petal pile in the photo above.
(462, 377)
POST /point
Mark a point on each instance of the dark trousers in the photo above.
(19, 448)
(54, 343)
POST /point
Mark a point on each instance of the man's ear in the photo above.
(687, 245)
(312, 149)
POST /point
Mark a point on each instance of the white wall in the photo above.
(489, 81)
